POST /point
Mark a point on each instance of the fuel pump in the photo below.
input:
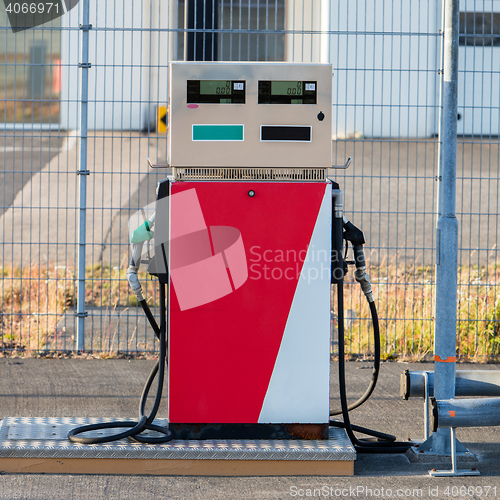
(248, 237)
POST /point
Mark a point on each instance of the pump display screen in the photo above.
(287, 88)
(216, 92)
(287, 92)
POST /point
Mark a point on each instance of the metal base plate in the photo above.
(453, 473)
(47, 438)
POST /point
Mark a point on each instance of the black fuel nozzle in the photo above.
(357, 239)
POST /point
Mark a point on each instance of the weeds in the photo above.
(31, 302)
(405, 301)
(34, 299)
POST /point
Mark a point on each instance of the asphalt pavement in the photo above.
(111, 388)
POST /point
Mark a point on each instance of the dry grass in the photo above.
(29, 111)
(34, 299)
(31, 302)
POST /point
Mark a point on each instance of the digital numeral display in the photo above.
(287, 92)
(215, 87)
(215, 92)
(286, 88)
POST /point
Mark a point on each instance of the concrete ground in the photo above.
(390, 192)
(21, 156)
(111, 388)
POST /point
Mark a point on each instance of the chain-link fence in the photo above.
(83, 101)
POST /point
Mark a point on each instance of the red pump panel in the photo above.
(226, 322)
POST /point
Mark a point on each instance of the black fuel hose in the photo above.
(145, 422)
(376, 364)
(364, 430)
(151, 318)
(361, 445)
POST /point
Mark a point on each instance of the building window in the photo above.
(30, 73)
(480, 29)
(251, 29)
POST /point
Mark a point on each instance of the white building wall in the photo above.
(313, 18)
(119, 76)
(163, 49)
(385, 85)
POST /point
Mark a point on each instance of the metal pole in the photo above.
(476, 412)
(82, 176)
(426, 406)
(325, 27)
(447, 224)
(468, 383)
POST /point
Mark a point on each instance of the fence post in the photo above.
(82, 176)
(445, 331)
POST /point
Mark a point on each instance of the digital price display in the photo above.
(287, 88)
(215, 92)
(287, 92)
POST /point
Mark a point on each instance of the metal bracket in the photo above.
(82, 315)
(347, 163)
(433, 446)
(83, 172)
(156, 166)
(85, 27)
(427, 446)
(426, 406)
(454, 471)
(84, 65)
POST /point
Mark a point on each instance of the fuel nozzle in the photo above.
(357, 239)
(140, 235)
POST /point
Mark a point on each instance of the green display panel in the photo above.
(217, 132)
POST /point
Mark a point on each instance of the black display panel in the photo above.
(216, 91)
(287, 92)
(282, 133)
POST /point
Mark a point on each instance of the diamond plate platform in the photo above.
(41, 445)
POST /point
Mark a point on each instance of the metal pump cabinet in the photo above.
(243, 240)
